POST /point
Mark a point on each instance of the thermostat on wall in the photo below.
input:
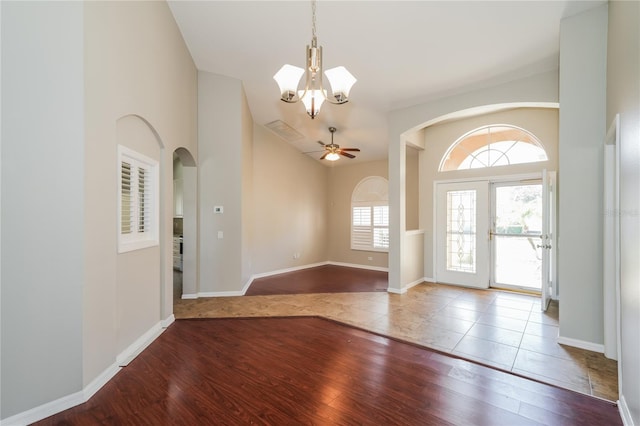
(218, 209)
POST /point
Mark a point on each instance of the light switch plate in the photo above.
(218, 209)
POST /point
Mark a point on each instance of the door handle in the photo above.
(543, 246)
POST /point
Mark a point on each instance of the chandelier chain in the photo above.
(313, 19)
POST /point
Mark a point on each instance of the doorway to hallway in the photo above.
(185, 225)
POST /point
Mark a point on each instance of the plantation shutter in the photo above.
(370, 215)
(361, 235)
(381, 226)
(144, 199)
(126, 198)
(138, 201)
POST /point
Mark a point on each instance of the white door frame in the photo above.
(549, 242)
(611, 242)
(493, 179)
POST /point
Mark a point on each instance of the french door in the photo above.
(497, 234)
(462, 241)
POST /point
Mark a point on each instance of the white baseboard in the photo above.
(356, 265)
(165, 323)
(44, 410)
(247, 285)
(285, 270)
(54, 407)
(97, 383)
(219, 293)
(590, 346)
(405, 287)
(253, 277)
(413, 284)
(311, 265)
(50, 408)
(134, 349)
(276, 272)
(429, 279)
(625, 413)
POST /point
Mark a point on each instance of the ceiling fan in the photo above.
(332, 151)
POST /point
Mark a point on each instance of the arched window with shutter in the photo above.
(370, 215)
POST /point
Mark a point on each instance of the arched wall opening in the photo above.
(407, 132)
(438, 138)
(185, 225)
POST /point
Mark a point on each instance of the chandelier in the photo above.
(314, 94)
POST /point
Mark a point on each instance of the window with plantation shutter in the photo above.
(370, 215)
(381, 227)
(137, 200)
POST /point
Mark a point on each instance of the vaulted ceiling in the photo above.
(402, 53)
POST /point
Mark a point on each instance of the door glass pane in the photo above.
(518, 227)
(461, 231)
(519, 209)
(518, 261)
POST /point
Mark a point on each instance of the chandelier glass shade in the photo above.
(313, 94)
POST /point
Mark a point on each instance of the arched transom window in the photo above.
(491, 146)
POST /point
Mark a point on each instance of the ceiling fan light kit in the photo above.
(314, 94)
(333, 151)
(332, 156)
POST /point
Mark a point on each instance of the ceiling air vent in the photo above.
(285, 131)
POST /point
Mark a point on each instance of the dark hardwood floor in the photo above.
(291, 371)
(321, 279)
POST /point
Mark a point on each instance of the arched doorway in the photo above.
(185, 225)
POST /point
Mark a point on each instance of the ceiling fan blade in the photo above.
(346, 154)
(324, 155)
(321, 143)
(350, 149)
(312, 152)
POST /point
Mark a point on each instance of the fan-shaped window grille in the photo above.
(370, 215)
(491, 146)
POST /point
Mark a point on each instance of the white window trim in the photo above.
(369, 229)
(139, 240)
(372, 191)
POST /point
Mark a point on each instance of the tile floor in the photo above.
(502, 329)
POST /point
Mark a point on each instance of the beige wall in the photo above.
(413, 188)
(221, 148)
(42, 204)
(623, 97)
(342, 180)
(96, 74)
(135, 63)
(138, 271)
(300, 206)
(583, 91)
(542, 122)
(247, 191)
(289, 205)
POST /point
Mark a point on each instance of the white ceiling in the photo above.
(402, 53)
